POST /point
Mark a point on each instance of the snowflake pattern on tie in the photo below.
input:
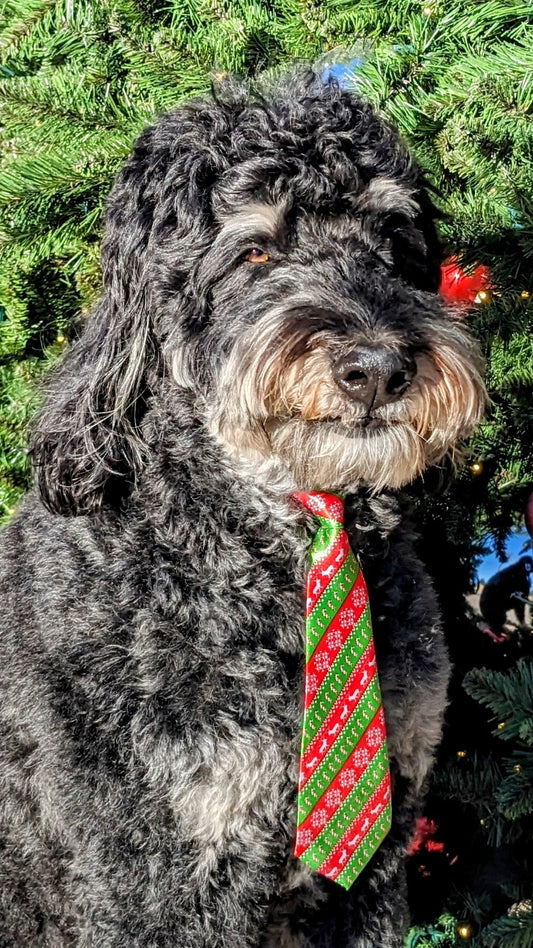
(344, 788)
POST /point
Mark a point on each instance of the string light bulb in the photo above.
(464, 930)
(483, 297)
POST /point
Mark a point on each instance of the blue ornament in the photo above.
(342, 72)
(515, 218)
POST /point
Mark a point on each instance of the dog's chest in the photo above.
(236, 608)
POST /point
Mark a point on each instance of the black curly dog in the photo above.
(270, 321)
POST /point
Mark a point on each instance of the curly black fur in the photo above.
(152, 636)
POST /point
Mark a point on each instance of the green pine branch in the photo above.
(509, 931)
(509, 695)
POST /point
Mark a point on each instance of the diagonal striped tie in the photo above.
(344, 790)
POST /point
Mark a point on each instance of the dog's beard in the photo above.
(329, 456)
(277, 399)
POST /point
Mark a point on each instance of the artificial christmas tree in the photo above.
(79, 81)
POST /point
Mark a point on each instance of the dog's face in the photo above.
(277, 256)
(321, 340)
(327, 355)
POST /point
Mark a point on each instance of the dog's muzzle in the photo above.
(374, 376)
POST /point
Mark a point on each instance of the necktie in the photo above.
(344, 788)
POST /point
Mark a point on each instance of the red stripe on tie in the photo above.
(322, 572)
(340, 787)
(329, 506)
(339, 715)
(336, 634)
(355, 835)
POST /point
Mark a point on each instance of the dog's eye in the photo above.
(255, 255)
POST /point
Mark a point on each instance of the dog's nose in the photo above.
(374, 375)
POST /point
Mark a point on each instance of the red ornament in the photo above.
(425, 831)
(459, 287)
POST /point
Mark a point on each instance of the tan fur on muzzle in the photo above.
(279, 397)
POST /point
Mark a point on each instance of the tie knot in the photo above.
(327, 506)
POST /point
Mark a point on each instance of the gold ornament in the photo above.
(461, 753)
(464, 930)
(482, 821)
(502, 725)
(525, 294)
(484, 296)
(476, 468)
(517, 768)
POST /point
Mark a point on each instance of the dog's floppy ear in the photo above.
(86, 442)
(425, 268)
(416, 247)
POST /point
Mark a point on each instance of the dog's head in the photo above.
(275, 255)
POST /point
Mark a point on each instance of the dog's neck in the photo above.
(260, 489)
